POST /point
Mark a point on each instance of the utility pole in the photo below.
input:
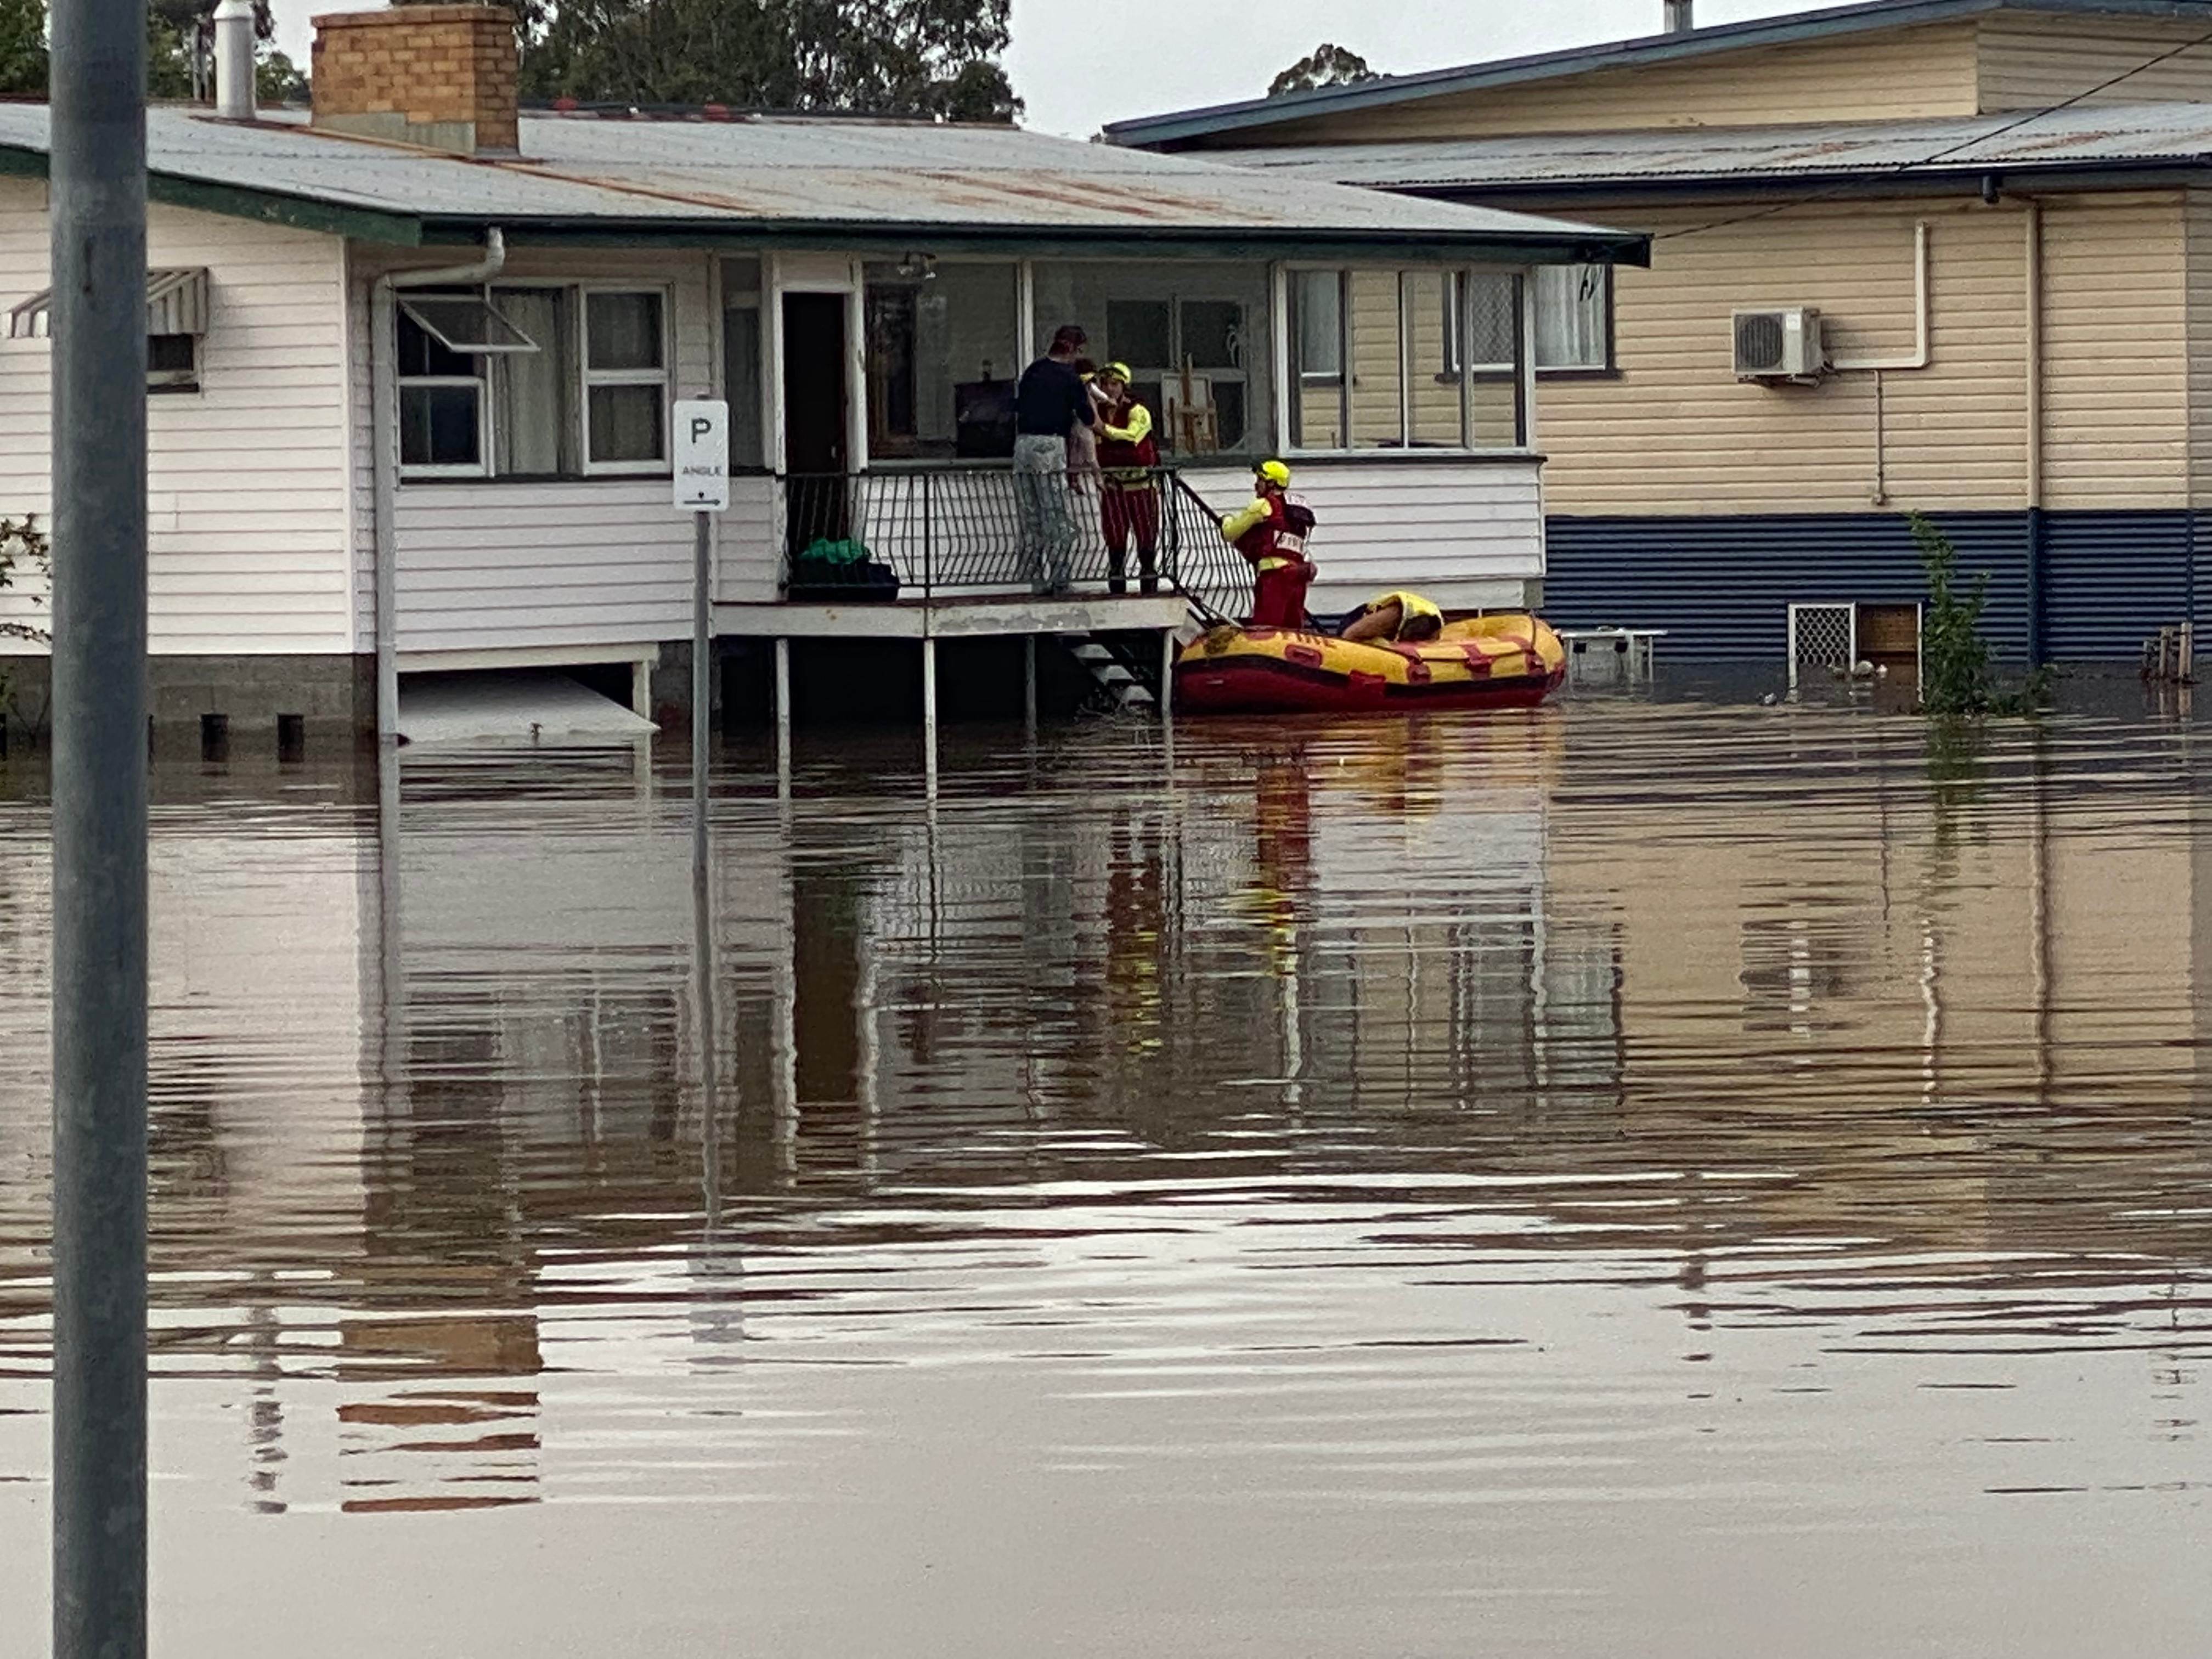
(97, 200)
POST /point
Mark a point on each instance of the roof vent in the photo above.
(1678, 16)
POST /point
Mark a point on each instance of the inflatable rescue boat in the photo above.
(1508, 661)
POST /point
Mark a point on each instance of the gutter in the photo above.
(1574, 243)
(329, 216)
(1618, 192)
(384, 439)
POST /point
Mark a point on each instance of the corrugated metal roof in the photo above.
(2087, 136)
(1183, 125)
(794, 172)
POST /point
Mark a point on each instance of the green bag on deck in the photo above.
(822, 550)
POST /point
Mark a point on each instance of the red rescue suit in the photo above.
(1128, 494)
(1263, 533)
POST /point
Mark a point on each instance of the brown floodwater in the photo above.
(1676, 1179)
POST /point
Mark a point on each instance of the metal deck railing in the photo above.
(962, 532)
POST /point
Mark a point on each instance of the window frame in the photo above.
(1318, 376)
(1455, 281)
(1606, 369)
(1610, 368)
(1289, 350)
(1238, 374)
(583, 377)
(739, 296)
(479, 383)
(870, 279)
(175, 295)
(588, 377)
(1464, 325)
(413, 300)
(479, 468)
(186, 382)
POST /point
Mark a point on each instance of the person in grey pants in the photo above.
(1050, 403)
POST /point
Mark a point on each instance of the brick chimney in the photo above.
(439, 76)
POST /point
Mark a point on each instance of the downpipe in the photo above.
(2032, 463)
(1919, 356)
(383, 421)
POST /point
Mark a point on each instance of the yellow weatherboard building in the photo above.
(1949, 256)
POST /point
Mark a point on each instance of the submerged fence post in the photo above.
(98, 225)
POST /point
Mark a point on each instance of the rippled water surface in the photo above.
(1628, 1178)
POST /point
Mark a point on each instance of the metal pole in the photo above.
(1029, 685)
(703, 662)
(703, 1001)
(783, 719)
(710, 1103)
(702, 909)
(98, 221)
(929, 716)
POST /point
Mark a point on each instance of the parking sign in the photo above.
(703, 455)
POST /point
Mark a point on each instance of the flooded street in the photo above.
(1670, 1179)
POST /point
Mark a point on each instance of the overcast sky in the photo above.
(1081, 64)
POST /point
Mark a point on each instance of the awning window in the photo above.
(466, 323)
(176, 303)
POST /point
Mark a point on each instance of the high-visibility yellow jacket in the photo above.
(1410, 605)
(1126, 454)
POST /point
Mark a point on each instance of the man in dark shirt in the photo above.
(1050, 403)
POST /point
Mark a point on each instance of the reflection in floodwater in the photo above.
(1619, 1178)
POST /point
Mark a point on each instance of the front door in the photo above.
(815, 456)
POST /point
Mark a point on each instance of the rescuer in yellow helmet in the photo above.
(1270, 531)
(1128, 484)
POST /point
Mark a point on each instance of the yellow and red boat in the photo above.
(1509, 660)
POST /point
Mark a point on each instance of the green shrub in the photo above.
(1956, 676)
(23, 544)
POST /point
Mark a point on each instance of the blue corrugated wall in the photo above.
(2112, 578)
(1722, 586)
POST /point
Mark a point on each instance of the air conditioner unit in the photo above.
(1783, 343)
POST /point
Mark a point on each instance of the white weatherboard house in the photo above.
(411, 379)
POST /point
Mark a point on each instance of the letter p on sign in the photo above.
(703, 455)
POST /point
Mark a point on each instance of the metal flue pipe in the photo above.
(97, 183)
(1679, 18)
(233, 60)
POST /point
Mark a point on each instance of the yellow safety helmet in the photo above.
(1274, 472)
(1115, 372)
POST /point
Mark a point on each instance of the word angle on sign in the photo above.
(703, 455)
